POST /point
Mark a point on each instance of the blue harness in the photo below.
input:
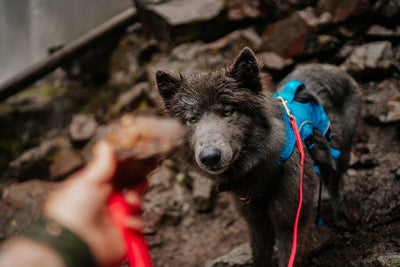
(308, 116)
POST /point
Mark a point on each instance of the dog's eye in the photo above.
(192, 120)
(228, 112)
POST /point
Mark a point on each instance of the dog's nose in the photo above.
(210, 156)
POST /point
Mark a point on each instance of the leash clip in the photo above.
(284, 103)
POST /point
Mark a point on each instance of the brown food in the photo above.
(139, 142)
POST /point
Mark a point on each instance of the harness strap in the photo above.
(309, 116)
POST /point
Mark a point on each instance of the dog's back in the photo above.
(340, 96)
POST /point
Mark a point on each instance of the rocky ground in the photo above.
(48, 130)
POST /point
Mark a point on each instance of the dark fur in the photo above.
(229, 111)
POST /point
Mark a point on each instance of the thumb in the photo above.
(103, 164)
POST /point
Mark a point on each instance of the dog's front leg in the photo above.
(261, 233)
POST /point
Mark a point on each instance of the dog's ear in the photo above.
(167, 84)
(245, 70)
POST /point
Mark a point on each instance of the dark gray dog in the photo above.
(235, 133)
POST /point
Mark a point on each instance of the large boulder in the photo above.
(288, 37)
(371, 60)
(178, 21)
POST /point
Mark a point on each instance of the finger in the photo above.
(134, 223)
(103, 164)
(133, 198)
(134, 202)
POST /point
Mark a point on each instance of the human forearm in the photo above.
(22, 252)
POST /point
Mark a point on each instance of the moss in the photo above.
(10, 139)
(47, 90)
(95, 100)
(117, 109)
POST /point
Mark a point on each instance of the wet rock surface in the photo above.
(187, 222)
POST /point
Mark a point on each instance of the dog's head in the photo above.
(221, 109)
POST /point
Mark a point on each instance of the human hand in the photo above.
(81, 205)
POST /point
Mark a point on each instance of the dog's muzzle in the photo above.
(210, 157)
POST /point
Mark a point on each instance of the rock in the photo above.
(21, 205)
(36, 113)
(180, 12)
(370, 60)
(239, 38)
(342, 9)
(275, 65)
(325, 18)
(187, 59)
(379, 260)
(244, 9)
(239, 257)
(380, 32)
(34, 162)
(344, 52)
(202, 187)
(393, 109)
(82, 128)
(297, 28)
(65, 165)
(272, 61)
(179, 21)
(381, 107)
(136, 96)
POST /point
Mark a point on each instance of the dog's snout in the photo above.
(210, 156)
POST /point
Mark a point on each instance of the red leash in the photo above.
(299, 143)
(296, 223)
(137, 251)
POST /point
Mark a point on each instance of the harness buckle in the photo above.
(284, 102)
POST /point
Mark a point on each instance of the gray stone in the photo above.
(239, 38)
(179, 21)
(272, 61)
(393, 114)
(370, 59)
(380, 31)
(244, 9)
(186, 59)
(82, 127)
(178, 12)
(238, 257)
